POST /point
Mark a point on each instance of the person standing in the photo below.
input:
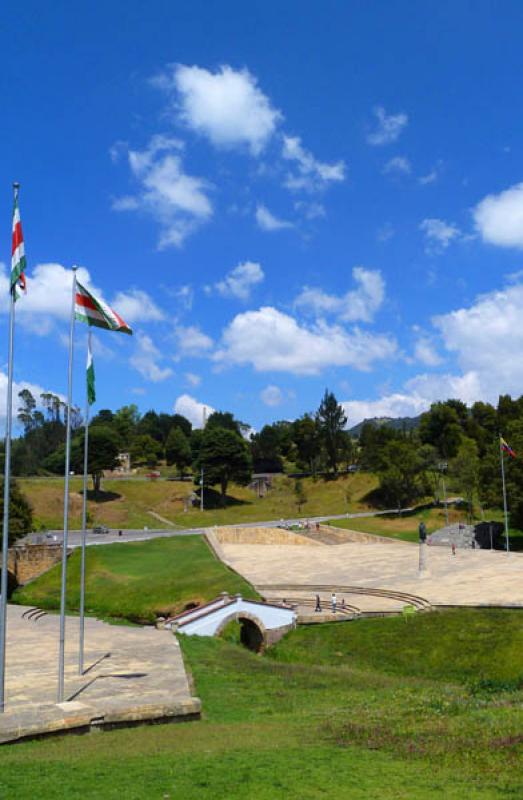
(333, 602)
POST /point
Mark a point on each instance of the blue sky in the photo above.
(278, 197)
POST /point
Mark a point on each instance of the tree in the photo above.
(400, 474)
(145, 450)
(265, 448)
(103, 453)
(178, 449)
(465, 470)
(26, 409)
(225, 457)
(441, 427)
(224, 419)
(20, 512)
(299, 494)
(125, 421)
(331, 422)
(307, 439)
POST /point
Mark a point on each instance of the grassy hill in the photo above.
(138, 581)
(127, 503)
(334, 711)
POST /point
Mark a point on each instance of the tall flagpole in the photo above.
(61, 656)
(504, 493)
(84, 523)
(7, 482)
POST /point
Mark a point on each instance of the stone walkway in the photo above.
(471, 577)
(131, 674)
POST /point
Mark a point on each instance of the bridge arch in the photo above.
(253, 633)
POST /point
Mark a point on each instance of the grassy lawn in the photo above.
(127, 503)
(404, 527)
(312, 719)
(138, 581)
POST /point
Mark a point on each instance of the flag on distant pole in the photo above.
(93, 311)
(18, 262)
(507, 448)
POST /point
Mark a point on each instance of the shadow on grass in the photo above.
(101, 496)
(214, 500)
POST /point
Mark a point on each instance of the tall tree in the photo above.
(103, 453)
(331, 422)
(26, 409)
(225, 457)
(178, 449)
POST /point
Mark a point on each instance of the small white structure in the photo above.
(262, 624)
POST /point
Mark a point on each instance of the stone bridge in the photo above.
(26, 562)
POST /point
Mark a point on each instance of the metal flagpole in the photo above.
(61, 656)
(7, 482)
(201, 471)
(84, 524)
(504, 493)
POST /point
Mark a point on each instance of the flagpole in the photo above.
(504, 493)
(84, 525)
(7, 484)
(61, 656)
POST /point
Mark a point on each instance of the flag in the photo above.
(91, 394)
(95, 312)
(507, 448)
(18, 263)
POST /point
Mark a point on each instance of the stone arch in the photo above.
(253, 633)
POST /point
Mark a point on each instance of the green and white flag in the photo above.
(18, 262)
(91, 394)
(93, 311)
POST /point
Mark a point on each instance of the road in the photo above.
(141, 535)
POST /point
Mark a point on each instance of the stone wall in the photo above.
(26, 562)
(229, 535)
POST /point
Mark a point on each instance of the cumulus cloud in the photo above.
(499, 217)
(426, 352)
(226, 106)
(136, 305)
(485, 338)
(311, 175)
(388, 127)
(178, 201)
(272, 396)
(268, 222)
(438, 234)
(399, 165)
(192, 409)
(240, 281)
(146, 358)
(270, 340)
(358, 304)
(192, 341)
(192, 379)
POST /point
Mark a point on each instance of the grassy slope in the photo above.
(303, 728)
(133, 499)
(119, 582)
(404, 527)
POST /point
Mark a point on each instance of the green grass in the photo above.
(138, 581)
(128, 503)
(312, 725)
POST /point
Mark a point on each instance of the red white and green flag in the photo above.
(93, 311)
(18, 263)
(91, 393)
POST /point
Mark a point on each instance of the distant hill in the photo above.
(398, 423)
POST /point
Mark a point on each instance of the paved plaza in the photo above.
(131, 674)
(468, 578)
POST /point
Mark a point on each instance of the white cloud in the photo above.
(268, 222)
(388, 127)
(399, 165)
(385, 232)
(425, 351)
(178, 201)
(272, 396)
(439, 234)
(359, 304)
(192, 379)
(239, 281)
(269, 340)
(499, 217)
(226, 106)
(192, 341)
(310, 210)
(312, 175)
(192, 409)
(145, 360)
(137, 306)
(486, 338)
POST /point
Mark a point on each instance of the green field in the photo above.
(138, 581)
(326, 714)
(401, 527)
(127, 503)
